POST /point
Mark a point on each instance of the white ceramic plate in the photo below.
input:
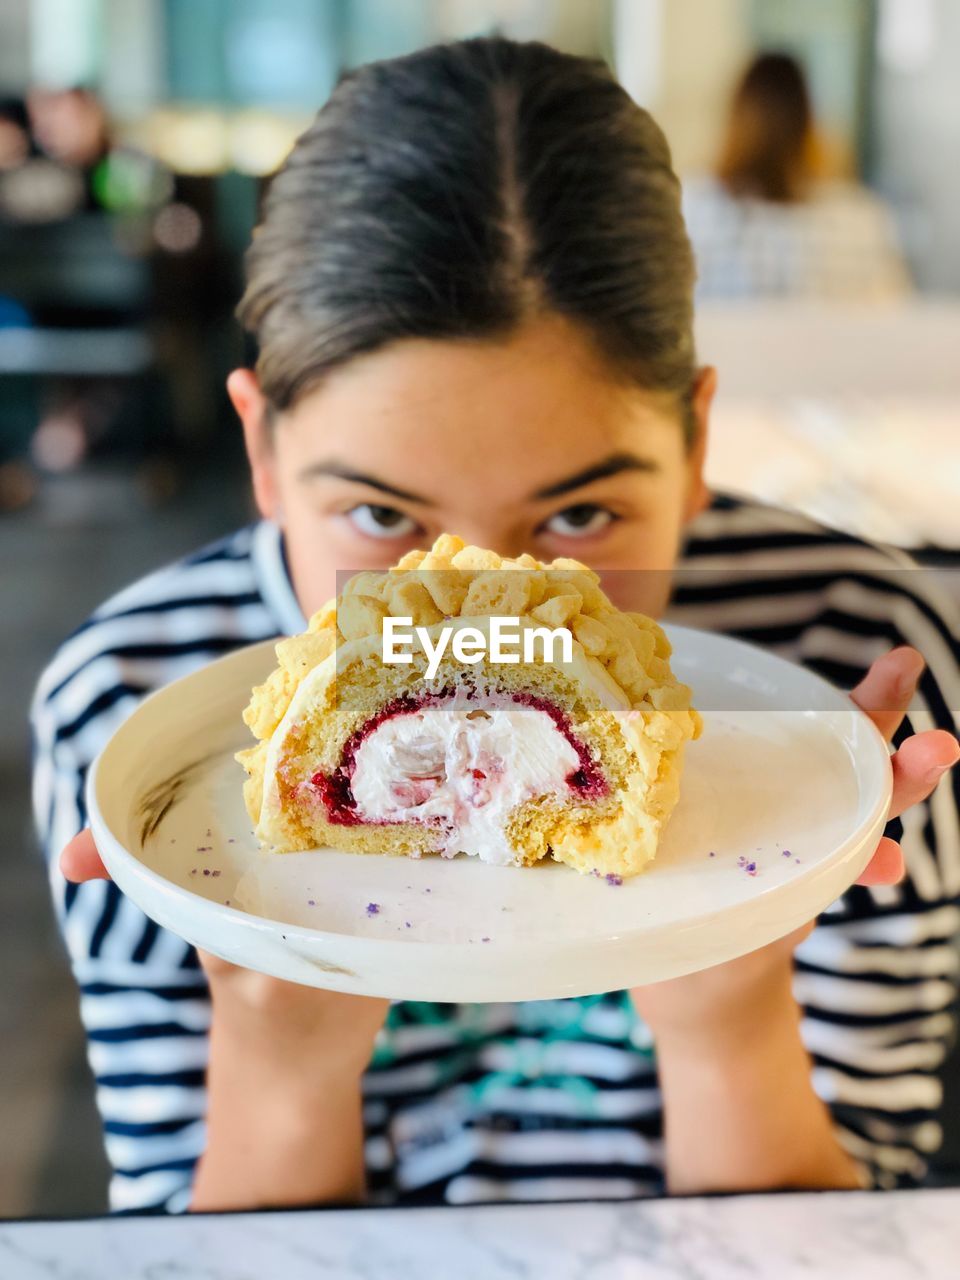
(783, 800)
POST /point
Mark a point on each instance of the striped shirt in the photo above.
(549, 1099)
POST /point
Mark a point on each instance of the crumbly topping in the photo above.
(456, 580)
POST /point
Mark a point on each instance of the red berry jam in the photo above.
(334, 789)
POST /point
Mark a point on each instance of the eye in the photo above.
(580, 521)
(381, 522)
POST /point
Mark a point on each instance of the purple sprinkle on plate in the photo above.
(786, 853)
(711, 854)
(741, 861)
(406, 924)
(193, 871)
(615, 880)
(484, 939)
(206, 871)
(428, 891)
(751, 868)
(310, 902)
(373, 908)
(796, 859)
(231, 840)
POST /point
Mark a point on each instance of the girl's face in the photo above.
(529, 444)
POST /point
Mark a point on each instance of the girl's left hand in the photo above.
(726, 1000)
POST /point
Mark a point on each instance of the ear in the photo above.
(252, 410)
(698, 495)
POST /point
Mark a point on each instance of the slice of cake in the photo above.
(575, 756)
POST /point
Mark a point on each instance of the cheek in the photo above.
(322, 551)
(640, 580)
(639, 590)
(311, 557)
(638, 577)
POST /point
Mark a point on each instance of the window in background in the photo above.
(916, 106)
(907, 34)
(374, 29)
(65, 48)
(282, 53)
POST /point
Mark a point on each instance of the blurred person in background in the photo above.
(765, 224)
(14, 134)
(78, 202)
(70, 125)
(16, 147)
(50, 149)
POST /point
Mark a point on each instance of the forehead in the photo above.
(541, 398)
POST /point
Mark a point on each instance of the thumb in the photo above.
(80, 860)
(886, 690)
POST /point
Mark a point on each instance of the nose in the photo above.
(494, 532)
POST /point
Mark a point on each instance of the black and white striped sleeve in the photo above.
(878, 978)
(143, 1000)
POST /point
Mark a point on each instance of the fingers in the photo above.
(886, 865)
(919, 765)
(80, 860)
(885, 691)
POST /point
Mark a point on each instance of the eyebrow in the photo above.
(340, 472)
(615, 465)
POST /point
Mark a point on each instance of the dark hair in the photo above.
(456, 191)
(765, 152)
(14, 111)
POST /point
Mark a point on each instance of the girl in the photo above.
(471, 293)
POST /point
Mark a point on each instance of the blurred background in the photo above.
(822, 186)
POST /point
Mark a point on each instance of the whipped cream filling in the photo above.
(312, 691)
(463, 767)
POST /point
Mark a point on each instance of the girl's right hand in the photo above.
(283, 1080)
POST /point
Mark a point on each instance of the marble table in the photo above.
(853, 1235)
